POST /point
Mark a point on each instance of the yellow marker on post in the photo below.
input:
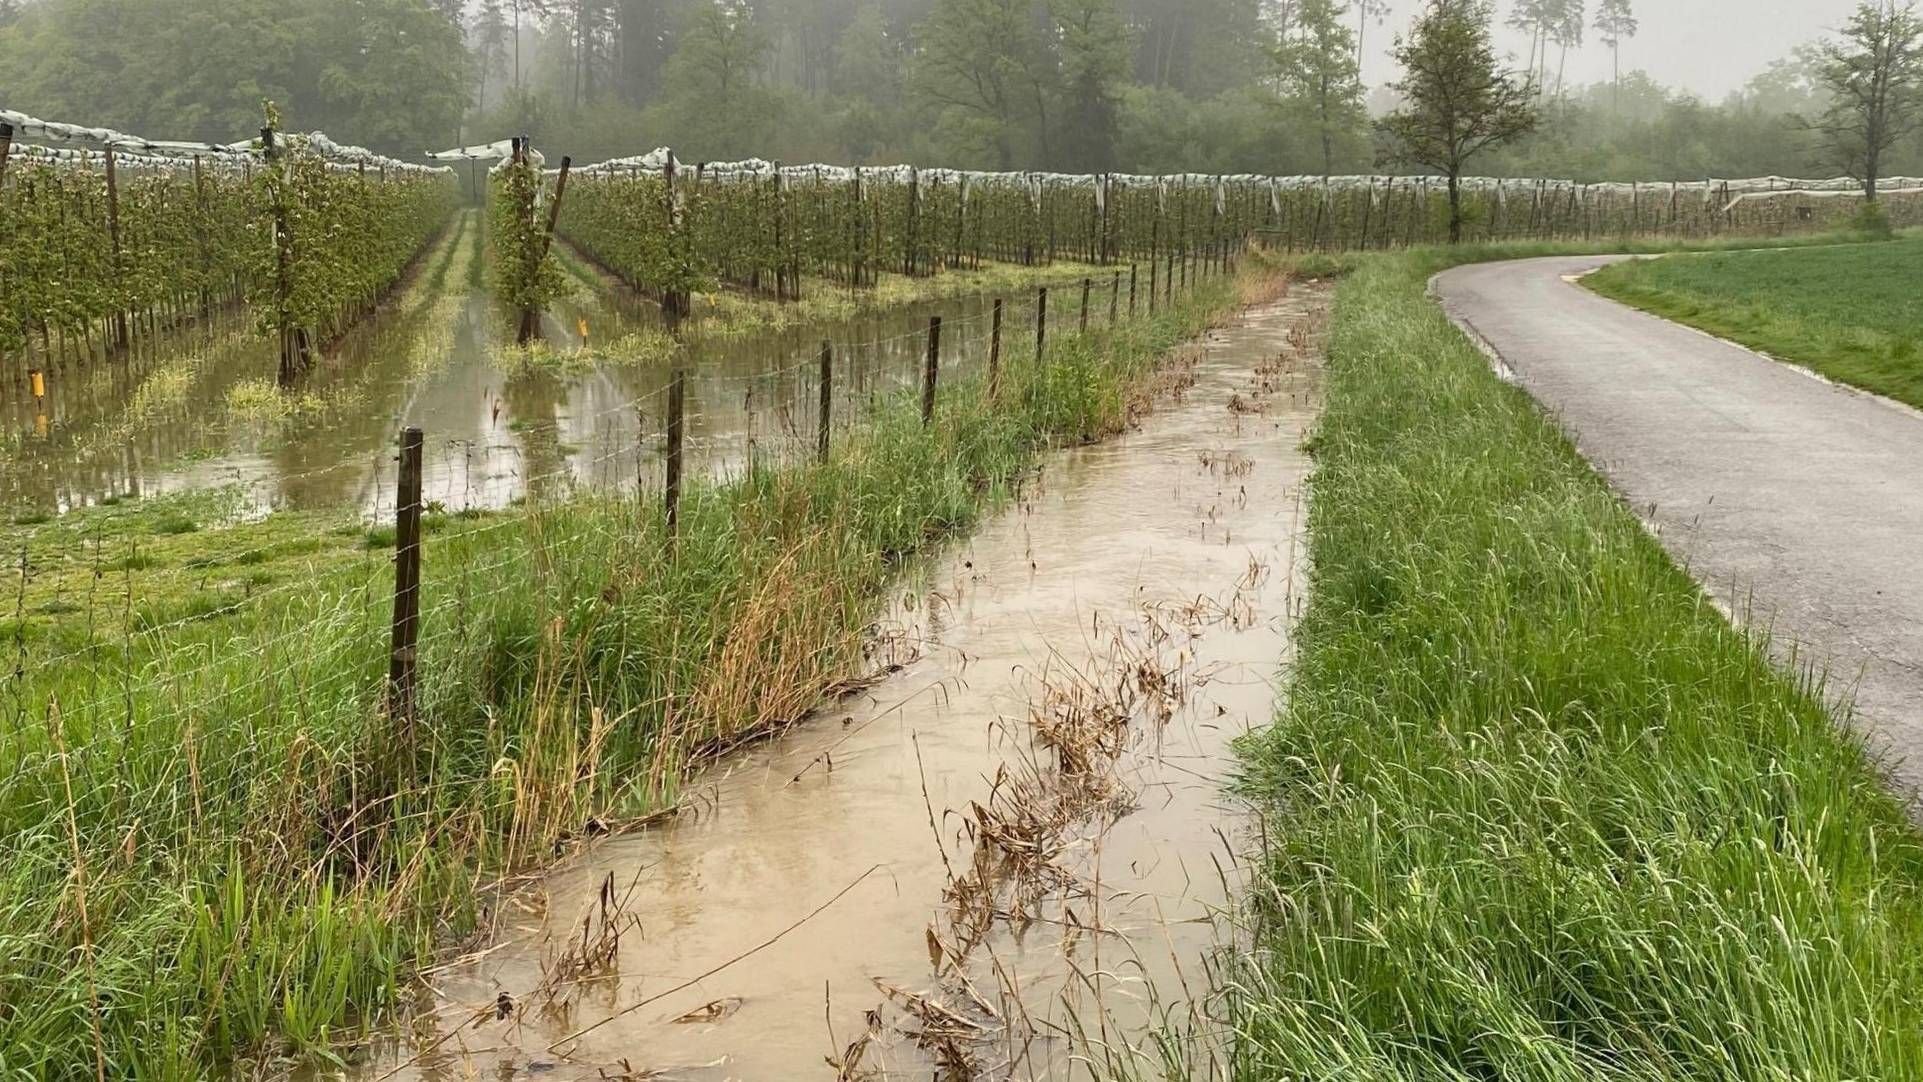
(582, 326)
(39, 384)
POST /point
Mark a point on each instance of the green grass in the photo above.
(1534, 809)
(1852, 313)
(214, 844)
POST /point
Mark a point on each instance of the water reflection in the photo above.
(202, 413)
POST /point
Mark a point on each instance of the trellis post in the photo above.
(675, 303)
(531, 318)
(121, 336)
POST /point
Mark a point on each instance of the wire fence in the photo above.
(233, 654)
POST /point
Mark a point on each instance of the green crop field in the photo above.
(1851, 312)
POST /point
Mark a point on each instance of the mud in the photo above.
(1009, 855)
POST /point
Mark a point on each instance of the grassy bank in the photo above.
(1852, 313)
(1535, 810)
(216, 846)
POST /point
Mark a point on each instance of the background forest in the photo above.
(1266, 86)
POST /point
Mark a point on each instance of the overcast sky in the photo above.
(1708, 46)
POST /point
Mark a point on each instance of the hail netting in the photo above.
(758, 223)
(111, 234)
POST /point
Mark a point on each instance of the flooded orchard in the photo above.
(1006, 854)
(586, 409)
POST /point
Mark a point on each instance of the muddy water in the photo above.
(814, 877)
(201, 413)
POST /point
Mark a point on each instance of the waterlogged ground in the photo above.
(586, 408)
(1007, 851)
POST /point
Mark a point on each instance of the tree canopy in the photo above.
(1266, 86)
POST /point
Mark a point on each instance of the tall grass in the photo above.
(261, 856)
(1534, 809)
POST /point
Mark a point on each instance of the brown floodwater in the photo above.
(935, 868)
(200, 412)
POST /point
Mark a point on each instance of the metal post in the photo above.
(827, 400)
(1115, 298)
(403, 657)
(677, 406)
(1154, 283)
(995, 352)
(1086, 286)
(6, 147)
(932, 372)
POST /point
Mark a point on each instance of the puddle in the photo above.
(192, 415)
(816, 910)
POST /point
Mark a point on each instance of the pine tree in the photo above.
(1616, 21)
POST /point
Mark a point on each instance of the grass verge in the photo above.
(215, 846)
(1853, 313)
(1535, 810)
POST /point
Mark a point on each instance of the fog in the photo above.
(1709, 47)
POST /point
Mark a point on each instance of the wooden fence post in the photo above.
(995, 352)
(827, 400)
(402, 664)
(6, 147)
(932, 372)
(677, 415)
(1041, 323)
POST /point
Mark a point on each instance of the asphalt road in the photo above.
(1790, 498)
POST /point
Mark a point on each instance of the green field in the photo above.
(1854, 312)
(1534, 809)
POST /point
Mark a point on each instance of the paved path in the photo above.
(1796, 497)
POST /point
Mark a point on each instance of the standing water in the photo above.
(1007, 855)
(203, 411)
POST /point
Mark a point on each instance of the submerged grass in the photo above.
(1853, 313)
(1535, 810)
(218, 847)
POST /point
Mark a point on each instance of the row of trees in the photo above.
(1150, 86)
(1460, 103)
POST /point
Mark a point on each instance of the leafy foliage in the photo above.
(526, 276)
(1458, 100)
(1875, 78)
(195, 234)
